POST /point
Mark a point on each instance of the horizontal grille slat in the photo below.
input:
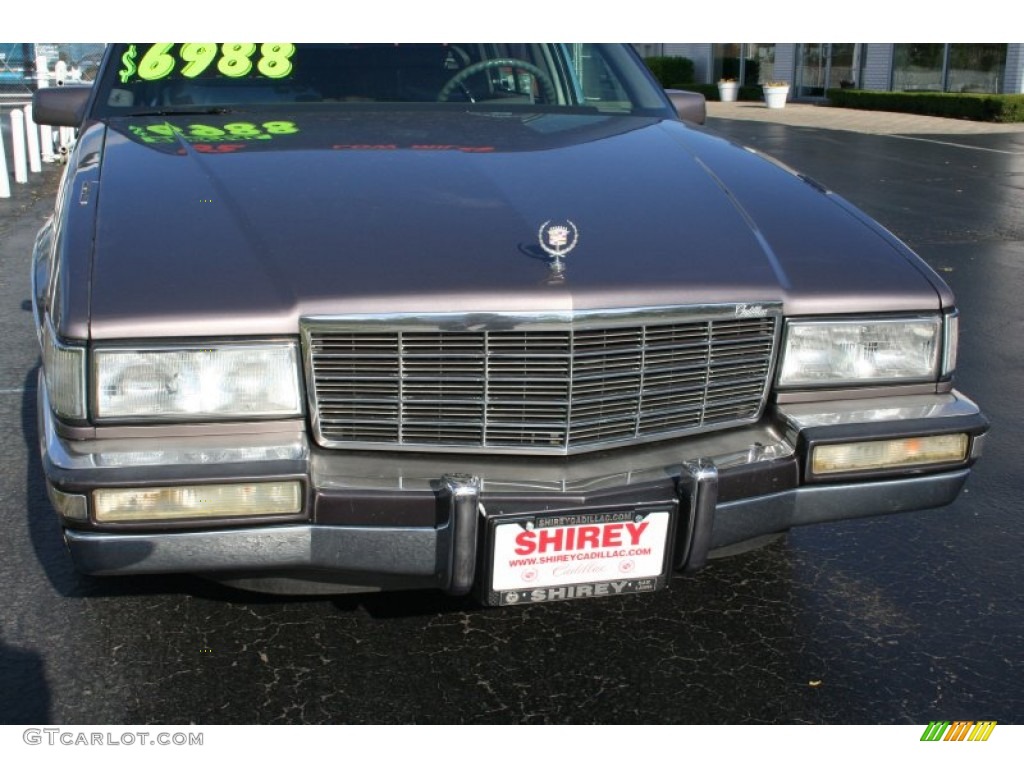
(538, 390)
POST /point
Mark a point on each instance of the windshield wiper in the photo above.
(191, 110)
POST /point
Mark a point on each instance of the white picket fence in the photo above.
(32, 145)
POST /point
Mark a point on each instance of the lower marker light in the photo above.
(139, 505)
(889, 454)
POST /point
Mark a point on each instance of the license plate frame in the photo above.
(587, 567)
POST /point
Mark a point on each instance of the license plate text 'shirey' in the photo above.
(568, 556)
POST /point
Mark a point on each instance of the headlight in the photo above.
(819, 353)
(64, 372)
(237, 381)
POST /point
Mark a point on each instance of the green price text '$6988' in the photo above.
(236, 60)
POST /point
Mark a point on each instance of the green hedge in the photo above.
(746, 92)
(988, 107)
(670, 69)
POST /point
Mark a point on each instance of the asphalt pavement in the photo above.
(903, 619)
(812, 115)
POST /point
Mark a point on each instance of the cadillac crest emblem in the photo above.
(557, 240)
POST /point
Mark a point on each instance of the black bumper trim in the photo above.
(698, 496)
(463, 493)
(396, 558)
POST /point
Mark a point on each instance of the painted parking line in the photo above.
(954, 144)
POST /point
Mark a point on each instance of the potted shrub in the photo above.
(775, 94)
(728, 88)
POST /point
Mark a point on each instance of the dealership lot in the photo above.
(900, 620)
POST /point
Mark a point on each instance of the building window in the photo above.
(960, 68)
(917, 66)
(976, 68)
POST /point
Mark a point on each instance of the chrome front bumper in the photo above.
(376, 520)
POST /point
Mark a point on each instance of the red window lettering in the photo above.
(219, 148)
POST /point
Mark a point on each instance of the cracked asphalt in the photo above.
(902, 619)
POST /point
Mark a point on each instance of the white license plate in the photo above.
(572, 555)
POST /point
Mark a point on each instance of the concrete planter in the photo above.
(727, 91)
(775, 96)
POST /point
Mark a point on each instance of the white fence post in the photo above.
(42, 73)
(18, 140)
(32, 133)
(46, 140)
(45, 131)
(5, 183)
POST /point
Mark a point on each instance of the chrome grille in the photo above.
(536, 384)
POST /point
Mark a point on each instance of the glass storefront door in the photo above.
(821, 66)
(747, 63)
(842, 65)
(812, 61)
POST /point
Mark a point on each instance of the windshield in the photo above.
(164, 78)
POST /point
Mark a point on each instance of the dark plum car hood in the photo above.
(437, 211)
